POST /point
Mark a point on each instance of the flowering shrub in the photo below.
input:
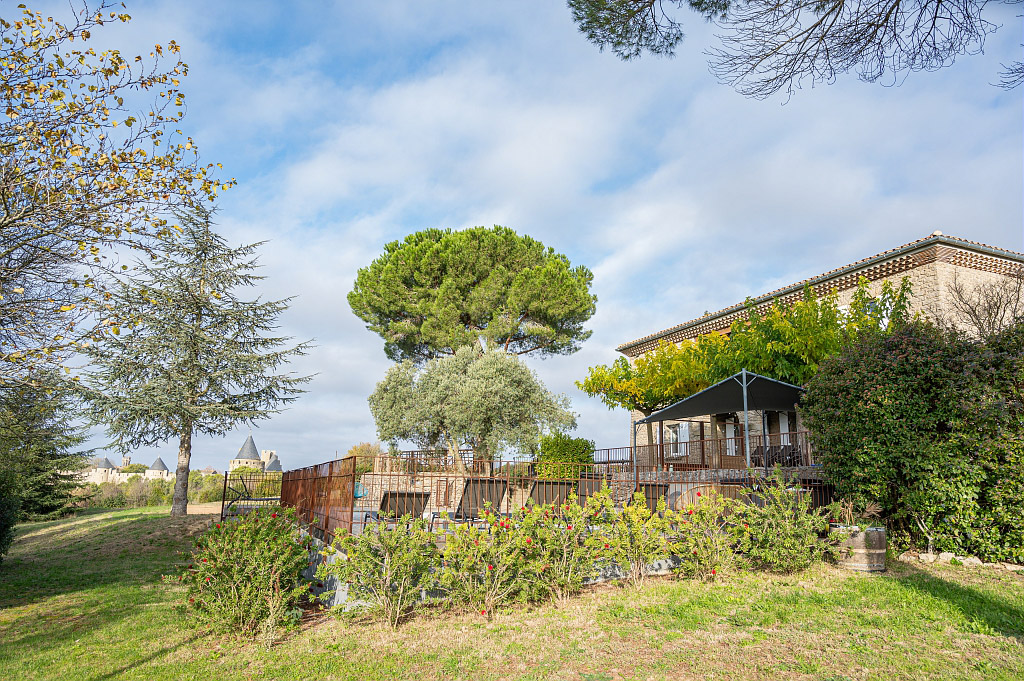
(560, 550)
(699, 535)
(785, 533)
(244, 575)
(485, 567)
(631, 539)
(388, 567)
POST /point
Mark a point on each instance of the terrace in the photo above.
(348, 493)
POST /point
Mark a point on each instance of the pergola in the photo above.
(743, 391)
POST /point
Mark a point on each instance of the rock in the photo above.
(927, 558)
(1012, 567)
(944, 557)
(972, 561)
(908, 557)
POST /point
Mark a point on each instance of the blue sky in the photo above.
(349, 125)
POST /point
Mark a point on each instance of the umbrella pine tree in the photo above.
(194, 357)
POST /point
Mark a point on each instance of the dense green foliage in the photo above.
(38, 447)
(782, 533)
(10, 509)
(928, 425)
(563, 456)
(196, 357)
(388, 566)
(486, 401)
(441, 290)
(134, 468)
(244, 575)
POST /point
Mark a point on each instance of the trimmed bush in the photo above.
(387, 567)
(562, 456)
(244, 575)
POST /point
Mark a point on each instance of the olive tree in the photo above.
(488, 401)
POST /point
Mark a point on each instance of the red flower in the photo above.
(529, 541)
(567, 507)
(698, 494)
(191, 600)
(204, 560)
(606, 546)
(695, 553)
(273, 515)
(690, 512)
(745, 525)
(207, 579)
(714, 572)
(568, 527)
(490, 567)
(476, 542)
(483, 612)
(218, 526)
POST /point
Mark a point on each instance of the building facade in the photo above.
(931, 264)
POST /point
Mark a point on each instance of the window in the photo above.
(677, 437)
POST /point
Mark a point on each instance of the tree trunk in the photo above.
(179, 506)
(453, 451)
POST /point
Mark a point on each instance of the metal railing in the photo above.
(246, 491)
(351, 492)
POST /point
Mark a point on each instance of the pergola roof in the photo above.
(763, 394)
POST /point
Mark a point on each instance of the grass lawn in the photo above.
(81, 599)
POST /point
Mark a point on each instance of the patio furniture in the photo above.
(545, 492)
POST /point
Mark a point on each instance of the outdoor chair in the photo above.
(544, 492)
(394, 505)
(477, 494)
(590, 484)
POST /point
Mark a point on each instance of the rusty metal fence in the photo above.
(351, 492)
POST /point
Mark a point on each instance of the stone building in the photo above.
(102, 470)
(262, 460)
(931, 264)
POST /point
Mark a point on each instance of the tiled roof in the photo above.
(248, 451)
(158, 465)
(934, 238)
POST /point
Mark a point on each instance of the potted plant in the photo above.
(863, 544)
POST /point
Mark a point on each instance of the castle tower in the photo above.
(248, 455)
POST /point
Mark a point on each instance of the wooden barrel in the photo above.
(864, 551)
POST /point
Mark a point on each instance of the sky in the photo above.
(349, 125)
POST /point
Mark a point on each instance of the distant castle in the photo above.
(102, 470)
(265, 460)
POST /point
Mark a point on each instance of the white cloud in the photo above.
(352, 125)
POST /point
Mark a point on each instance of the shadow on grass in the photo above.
(143, 660)
(994, 613)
